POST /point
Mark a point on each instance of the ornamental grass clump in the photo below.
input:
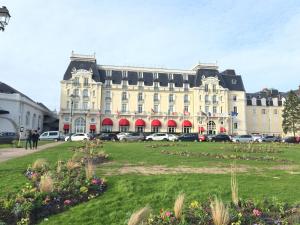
(234, 186)
(40, 164)
(72, 164)
(219, 211)
(139, 217)
(89, 170)
(178, 206)
(46, 183)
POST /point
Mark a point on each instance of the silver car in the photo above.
(132, 137)
(242, 138)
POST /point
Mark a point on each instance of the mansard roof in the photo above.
(267, 94)
(227, 79)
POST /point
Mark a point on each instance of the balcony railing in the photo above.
(107, 111)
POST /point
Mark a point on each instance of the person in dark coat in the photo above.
(35, 139)
(28, 139)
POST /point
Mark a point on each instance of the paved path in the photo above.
(10, 153)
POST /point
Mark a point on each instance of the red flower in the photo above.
(67, 202)
(256, 212)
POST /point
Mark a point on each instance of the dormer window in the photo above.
(233, 81)
(140, 75)
(155, 75)
(108, 73)
(206, 87)
(76, 81)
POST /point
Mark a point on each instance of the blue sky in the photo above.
(259, 39)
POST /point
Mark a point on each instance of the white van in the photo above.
(52, 135)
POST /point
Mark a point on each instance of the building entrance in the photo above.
(211, 127)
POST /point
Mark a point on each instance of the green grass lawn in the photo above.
(129, 192)
(22, 144)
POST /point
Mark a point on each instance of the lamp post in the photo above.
(85, 114)
(72, 96)
(4, 17)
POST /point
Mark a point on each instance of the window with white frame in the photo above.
(27, 119)
(156, 84)
(155, 76)
(171, 109)
(140, 75)
(108, 73)
(206, 99)
(233, 81)
(107, 107)
(185, 77)
(185, 98)
(186, 108)
(214, 109)
(140, 96)
(214, 88)
(85, 105)
(186, 85)
(155, 97)
(86, 81)
(214, 99)
(76, 105)
(171, 98)
(234, 98)
(140, 83)
(124, 108)
(124, 95)
(124, 74)
(93, 105)
(76, 81)
(155, 108)
(85, 93)
(235, 126)
(170, 76)
(206, 109)
(206, 87)
(235, 109)
(140, 108)
(76, 92)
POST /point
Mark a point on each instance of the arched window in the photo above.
(79, 125)
(206, 98)
(27, 119)
(33, 125)
(39, 122)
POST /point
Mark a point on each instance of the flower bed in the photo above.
(225, 156)
(50, 191)
(268, 212)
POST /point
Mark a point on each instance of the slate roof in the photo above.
(99, 75)
(268, 94)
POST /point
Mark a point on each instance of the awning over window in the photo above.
(186, 123)
(92, 127)
(222, 129)
(140, 123)
(123, 122)
(66, 126)
(201, 129)
(107, 122)
(172, 123)
(156, 123)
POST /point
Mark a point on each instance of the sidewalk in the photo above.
(10, 153)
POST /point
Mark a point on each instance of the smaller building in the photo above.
(264, 112)
(19, 112)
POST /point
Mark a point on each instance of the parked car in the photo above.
(220, 137)
(7, 137)
(173, 137)
(188, 137)
(158, 137)
(257, 138)
(210, 136)
(78, 137)
(203, 137)
(107, 137)
(121, 135)
(132, 137)
(271, 139)
(291, 140)
(242, 138)
(52, 135)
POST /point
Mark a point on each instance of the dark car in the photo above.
(188, 137)
(107, 137)
(291, 140)
(220, 137)
(7, 137)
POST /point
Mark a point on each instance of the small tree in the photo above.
(291, 114)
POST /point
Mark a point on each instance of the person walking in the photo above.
(28, 139)
(35, 139)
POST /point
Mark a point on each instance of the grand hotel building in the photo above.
(96, 98)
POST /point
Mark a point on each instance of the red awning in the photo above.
(140, 123)
(123, 122)
(172, 123)
(92, 127)
(66, 126)
(156, 123)
(201, 129)
(107, 122)
(186, 123)
(222, 130)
